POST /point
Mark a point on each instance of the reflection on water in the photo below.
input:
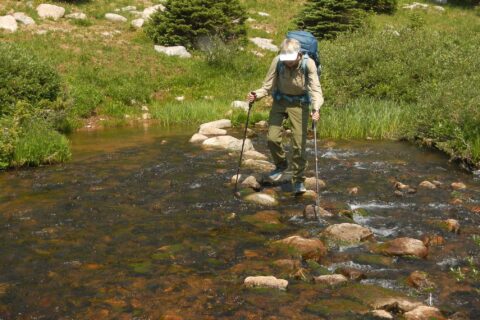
(140, 225)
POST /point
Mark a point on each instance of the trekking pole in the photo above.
(250, 105)
(317, 200)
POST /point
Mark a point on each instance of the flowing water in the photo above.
(143, 225)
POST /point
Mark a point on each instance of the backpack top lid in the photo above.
(308, 44)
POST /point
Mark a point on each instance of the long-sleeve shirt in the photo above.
(291, 81)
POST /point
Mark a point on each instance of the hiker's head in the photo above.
(290, 52)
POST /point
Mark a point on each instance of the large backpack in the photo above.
(308, 46)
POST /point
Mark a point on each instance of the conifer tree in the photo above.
(378, 6)
(327, 18)
(185, 21)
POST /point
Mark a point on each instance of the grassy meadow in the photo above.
(409, 75)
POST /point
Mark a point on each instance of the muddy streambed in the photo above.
(141, 224)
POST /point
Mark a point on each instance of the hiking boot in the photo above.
(277, 174)
(299, 188)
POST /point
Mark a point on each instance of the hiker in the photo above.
(293, 82)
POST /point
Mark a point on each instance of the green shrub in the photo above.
(185, 21)
(39, 144)
(328, 18)
(24, 77)
(378, 6)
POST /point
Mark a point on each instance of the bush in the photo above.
(378, 6)
(326, 19)
(185, 21)
(24, 77)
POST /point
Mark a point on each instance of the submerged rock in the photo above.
(419, 280)
(266, 282)
(331, 279)
(310, 183)
(262, 218)
(351, 273)
(310, 211)
(349, 233)
(404, 247)
(262, 199)
(424, 313)
(427, 185)
(228, 143)
(395, 304)
(308, 248)
(458, 186)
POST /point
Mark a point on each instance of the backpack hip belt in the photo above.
(303, 99)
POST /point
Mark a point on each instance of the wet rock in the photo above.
(404, 247)
(219, 124)
(264, 219)
(23, 18)
(348, 233)
(398, 193)
(395, 304)
(254, 155)
(228, 143)
(419, 280)
(115, 17)
(211, 131)
(266, 282)
(251, 134)
(233, 180)
(310, 210)
(452, 225)
(456, 202)
(433, 240)
(196, 138)
(411, 190)
(261, 124)
(242, 105)
(138, 23)
(50, 11)
(251, 182)
(427, 185)
(458, 186)
(179, 51)
(424, 313)
(309, 194)
(308, 248)
(261, 165)
(331, 279)
(264, 44)
(287, 264)
(400, 186)
(311, 185)
(353, 191)
(262, 199)
(437, 183)
(381, 314)
(351, 273)
(8, 23)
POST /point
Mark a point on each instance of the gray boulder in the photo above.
(251, 182)
(219, 124)
(254, 155)
(76, 16)
(265, 44)
(179, 51)
(23, 19)
(151, 10)
(8, 23)
(138, 23)
(115, 17)
(196, 138)
(261, 165)
(212, 131)
(50, 11)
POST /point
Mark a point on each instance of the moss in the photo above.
(336, 307)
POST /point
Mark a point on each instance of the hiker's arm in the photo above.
(314, 87)
(269, 81)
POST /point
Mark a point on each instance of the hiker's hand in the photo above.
(315, 115)
(251, 97)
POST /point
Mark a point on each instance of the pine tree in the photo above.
(378, 6)
(185, 21)
(327, 18)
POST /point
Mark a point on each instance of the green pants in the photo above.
(298, 116)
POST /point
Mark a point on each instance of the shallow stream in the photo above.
(141, 224)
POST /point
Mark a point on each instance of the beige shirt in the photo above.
(292, 82)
